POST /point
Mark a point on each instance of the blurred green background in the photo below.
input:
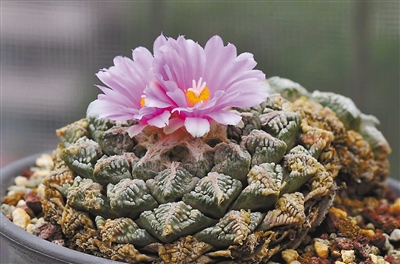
(50, 51)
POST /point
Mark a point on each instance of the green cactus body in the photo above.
(240, 192)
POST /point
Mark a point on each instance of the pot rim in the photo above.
(16, 235)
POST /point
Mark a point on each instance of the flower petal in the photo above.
(245, 99)
(160, 120)
(196, 126)
(156, 96)
(180, 60)
(219, 59)
(165, 80)
(106, 109)
(115, 97)
(126, 81)
(174, 124)
(159, 42)
(143, 62)
(225, 117)
(135, 129)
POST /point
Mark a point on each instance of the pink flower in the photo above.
(182, 85)
(124, 99)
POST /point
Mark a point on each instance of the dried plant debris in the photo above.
(299, 180)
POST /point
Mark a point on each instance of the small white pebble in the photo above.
(387, 246)
(39, 221)
(14, 189)
(44, 161)
(7, 209)
(40, 190)
(355, 219)
(370, 226)
(289, 255)
(309, 248)
(21, 203)
(35, 181)
(40, 174)
(394, 253)
(20, 218)
(348, 256)
(321, 249)
(374, 250)
(295, 262)
(21, 181)
(30, 228)
(382, 261)
(332, 236)
(374, 258)
(395, 235)
(323, 241)
(339, 262)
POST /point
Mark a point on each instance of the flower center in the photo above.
(142, 100)
(197, 93)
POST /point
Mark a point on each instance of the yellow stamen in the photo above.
(193, 99)
(142, 101)
(197, 93)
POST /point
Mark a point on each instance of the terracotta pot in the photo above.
(18, 246)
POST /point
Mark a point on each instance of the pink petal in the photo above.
(147, 112)
(180, 60)
(136, 129)
(196, 126)
(218, 59)
(160, 120)
(249, 80)
(156, 96)
(178, 97)
(194, 61)
(143, 61)
(244, 99)
(105, 109)
(174, 67)
(174, 124)
(225, 117)
(121, 78)
(94, 108)
(153, 101)
(109, 77)
(159, 42)
(239, 70)
(117, 97)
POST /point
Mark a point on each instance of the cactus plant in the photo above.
(243, 192)
(191, 156)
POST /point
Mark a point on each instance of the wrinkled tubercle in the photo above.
(323, 206)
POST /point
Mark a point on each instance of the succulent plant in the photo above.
(241, 192)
